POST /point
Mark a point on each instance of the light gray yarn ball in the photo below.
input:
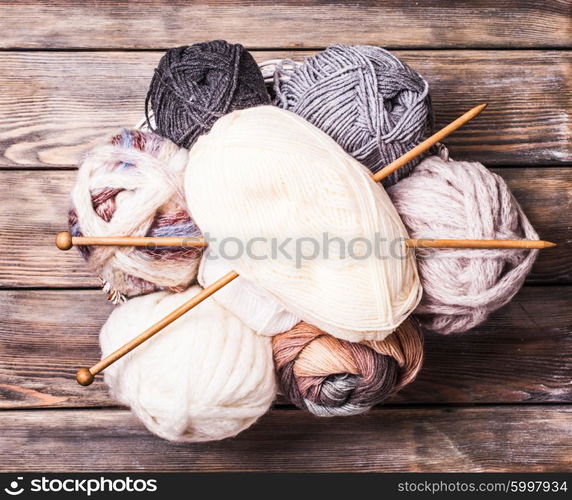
(371, 103)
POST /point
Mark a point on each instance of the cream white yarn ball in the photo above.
(252, 304)
(205, 377)
(263, 175)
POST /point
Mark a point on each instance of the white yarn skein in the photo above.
(206, 377)
(252, 304)
(264, 174)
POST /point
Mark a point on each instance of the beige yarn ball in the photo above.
(457, 199)
(263, 175)
(205, 377)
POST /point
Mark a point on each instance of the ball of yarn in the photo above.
(450, 199)
(193, 86)
(332, 377)
(206, 377)
(279, 187)
(374, 105)
(252, 304)
(131, 185)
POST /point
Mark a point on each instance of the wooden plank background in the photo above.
(490, 438)
(495, 399)
(523, 355)
(49, 120)
(151, 24)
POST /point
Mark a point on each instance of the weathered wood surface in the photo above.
(292, 24)
(34, 209)
(55, 103)
(494, 439)
(522, 354)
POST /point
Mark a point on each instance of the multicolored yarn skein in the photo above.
(194, 86)
(206, 377)
(312, 189)
(131, 185)
(332, 377)
(374, 105)
(461, 287)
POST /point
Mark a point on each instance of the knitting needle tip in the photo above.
(64, 240)
(487, 244)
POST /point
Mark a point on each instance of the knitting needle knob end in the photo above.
(64, 240)
(84, 377)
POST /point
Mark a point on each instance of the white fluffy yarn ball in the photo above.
(252, 304)
(263, 175)
(205, 377)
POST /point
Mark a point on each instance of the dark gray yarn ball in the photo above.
(193, 86)
(371, 103)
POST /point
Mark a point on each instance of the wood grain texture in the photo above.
(34, 208)
(54, 105)
(292, 24)
(489, 439)
(522, 354)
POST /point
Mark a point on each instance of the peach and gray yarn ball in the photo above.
(333, 377)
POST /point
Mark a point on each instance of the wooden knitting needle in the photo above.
(85, 376)
(64, 241)
(429, 243)
(427, 143)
